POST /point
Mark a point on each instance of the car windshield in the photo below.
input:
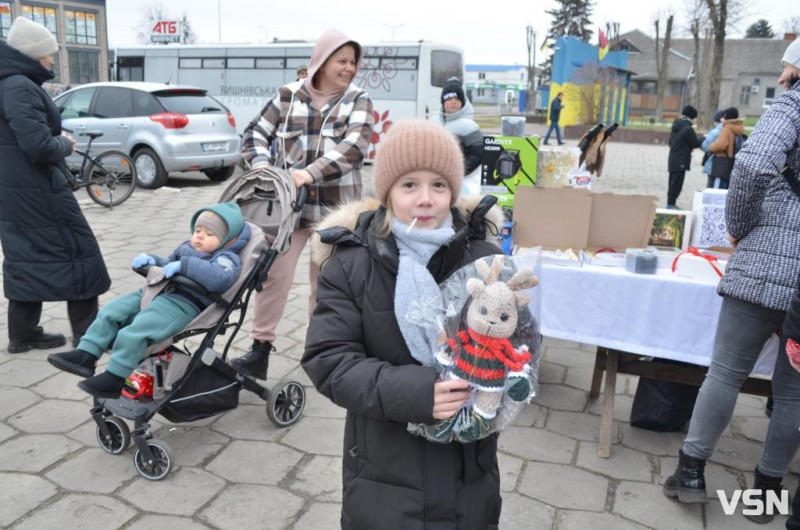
(189, 102)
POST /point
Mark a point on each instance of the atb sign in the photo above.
(771, 505)
(166, 31)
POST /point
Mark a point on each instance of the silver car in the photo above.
(163, 128)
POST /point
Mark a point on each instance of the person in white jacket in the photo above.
(457, 118)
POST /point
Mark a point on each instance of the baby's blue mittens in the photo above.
(171, 268)
(142, 259)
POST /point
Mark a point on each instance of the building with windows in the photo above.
(80, 29)
(497, 84)
(750, 70)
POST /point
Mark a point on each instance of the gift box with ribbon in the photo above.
(692, 263)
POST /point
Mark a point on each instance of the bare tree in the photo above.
(598, 88)
(612, 34)
(691, 82)
(791, 25)
(698, 80)
(662, 64)
(710, 22)
(718, 15)
(150, 14)
(156, 12)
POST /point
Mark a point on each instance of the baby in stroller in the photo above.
(210, 258)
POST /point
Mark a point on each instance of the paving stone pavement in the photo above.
(238, 470)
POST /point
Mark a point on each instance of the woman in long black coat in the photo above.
(50, 252)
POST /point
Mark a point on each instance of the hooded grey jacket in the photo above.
(469, 135)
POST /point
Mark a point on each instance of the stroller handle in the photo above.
(302, 198)
(179, 279)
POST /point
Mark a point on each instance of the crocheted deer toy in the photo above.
(482, 354)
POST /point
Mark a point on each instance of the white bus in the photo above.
(405, 79)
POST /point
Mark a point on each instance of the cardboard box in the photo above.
(508, 162)
(564, 218)
(619, 222)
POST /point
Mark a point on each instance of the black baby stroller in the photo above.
(183, 386)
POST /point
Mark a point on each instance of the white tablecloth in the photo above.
(661, 315)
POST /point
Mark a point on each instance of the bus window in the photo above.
(445, 64)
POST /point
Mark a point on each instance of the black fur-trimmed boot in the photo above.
(255, 362)
(688, 483)
(105, 385)
(765, 483)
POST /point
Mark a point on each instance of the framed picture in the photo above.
(671, 229)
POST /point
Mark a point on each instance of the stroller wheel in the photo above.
(159, 466)
(286, 403)
(119, 436)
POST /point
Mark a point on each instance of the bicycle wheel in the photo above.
(111, 178)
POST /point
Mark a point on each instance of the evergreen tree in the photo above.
(571, 17)
(187, 34)
(760, 30)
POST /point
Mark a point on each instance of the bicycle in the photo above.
(104, 174)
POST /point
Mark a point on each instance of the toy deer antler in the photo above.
(522, 279)
(491, 272)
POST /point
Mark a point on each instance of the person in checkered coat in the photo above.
(318, 129)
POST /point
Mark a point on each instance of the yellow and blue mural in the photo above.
(594, 90)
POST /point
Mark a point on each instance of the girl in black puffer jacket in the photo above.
(363, 355)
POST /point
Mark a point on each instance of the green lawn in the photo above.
(488, 121)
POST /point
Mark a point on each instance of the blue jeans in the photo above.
(742, 330)
(553, 126)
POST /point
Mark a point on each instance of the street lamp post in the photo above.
(531, 34)
(266, 34)
(219, 20)
(394, 27)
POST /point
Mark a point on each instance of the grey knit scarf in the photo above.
(416, 289)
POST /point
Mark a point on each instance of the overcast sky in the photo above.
(492, 34)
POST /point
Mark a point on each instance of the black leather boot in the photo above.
(255, 362)
(37, 341)
(24, 331)
(765, 483)
(688, 483)
(75, 362)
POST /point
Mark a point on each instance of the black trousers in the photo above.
(675, 186)
(793, 523)
(23, 317)
(719, 184)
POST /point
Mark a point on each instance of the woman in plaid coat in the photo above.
(318, 129)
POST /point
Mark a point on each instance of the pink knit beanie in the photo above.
(415, 145)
